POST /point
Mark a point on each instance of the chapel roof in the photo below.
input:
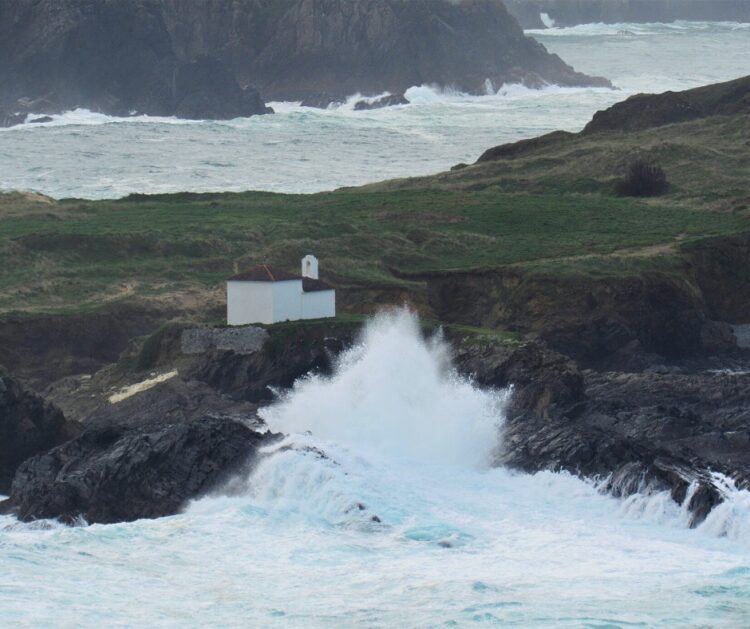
(266, 273)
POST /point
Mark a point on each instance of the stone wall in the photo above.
(242, 340)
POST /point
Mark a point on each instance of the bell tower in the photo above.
(310, 267)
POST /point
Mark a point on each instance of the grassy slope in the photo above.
(551, 209)
(707, 162)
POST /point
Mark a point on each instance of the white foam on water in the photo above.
(547, 20)
(380, 509)
(396, 394)
(301, 149)
(85, 117)
(652, 29)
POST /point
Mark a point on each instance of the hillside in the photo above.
(209, 58)
(698, 136)
(532, 238)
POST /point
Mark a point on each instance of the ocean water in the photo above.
(306, 150)
(381, 509)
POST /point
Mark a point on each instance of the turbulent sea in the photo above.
(381, 510)
(306, 150)
(384, 510)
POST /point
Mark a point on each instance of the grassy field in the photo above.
(547, 205)
(73, 255)
(707, 163)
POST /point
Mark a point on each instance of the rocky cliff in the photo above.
(645, 111)
(572, 12)
(625, 321)
(298, 49)
(110, 56)
(28, 425)
(200, 58)
(671, 428)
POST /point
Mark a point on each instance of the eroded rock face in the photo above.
(618, 322)
(109, 56)
(28, 425)
(645, 431)
(123, 471)
(379, 103)
(545, 383)
(117, 57)
(644, 111)
(282, 360)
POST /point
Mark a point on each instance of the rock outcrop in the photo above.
(45, 348)
(119, 471)
(28, 425)
(644, 111)
(573, 12)
(109, 56)
(669, 427)
(199, 59)
(636, 113)
(653, 431)
(622, 322)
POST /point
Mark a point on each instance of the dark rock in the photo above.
(43, 349)
(544, 381)
(113, 57)
(321, 101)
(119, 472)
(283, 359)
(9, 119)
(644, 111)
(643, 432)
(206, 89)
(28, 425)
(41, 120)
(601, 322)
(718, 337)
(721, 270)
(119, 57)
(385, 101)
(175, 400)
(344, 47)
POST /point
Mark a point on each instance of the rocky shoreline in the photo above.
(671, 427)
(214, 59)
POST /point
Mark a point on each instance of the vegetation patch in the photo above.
(176, 249)
(643, 179)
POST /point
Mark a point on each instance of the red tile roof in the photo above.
(264, 273)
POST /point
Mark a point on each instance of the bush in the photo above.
(155, 344)
(644, 179)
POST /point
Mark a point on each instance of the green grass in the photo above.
(78, 255)
(706, 162)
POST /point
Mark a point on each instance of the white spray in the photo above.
(395, 393)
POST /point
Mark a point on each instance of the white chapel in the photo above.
(265, 294)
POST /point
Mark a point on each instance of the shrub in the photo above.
(643, 179)
(155, 344)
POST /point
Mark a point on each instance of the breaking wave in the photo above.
(640, 29)
(395, 394)
(380, 509)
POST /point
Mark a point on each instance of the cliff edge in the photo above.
(215, 58)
